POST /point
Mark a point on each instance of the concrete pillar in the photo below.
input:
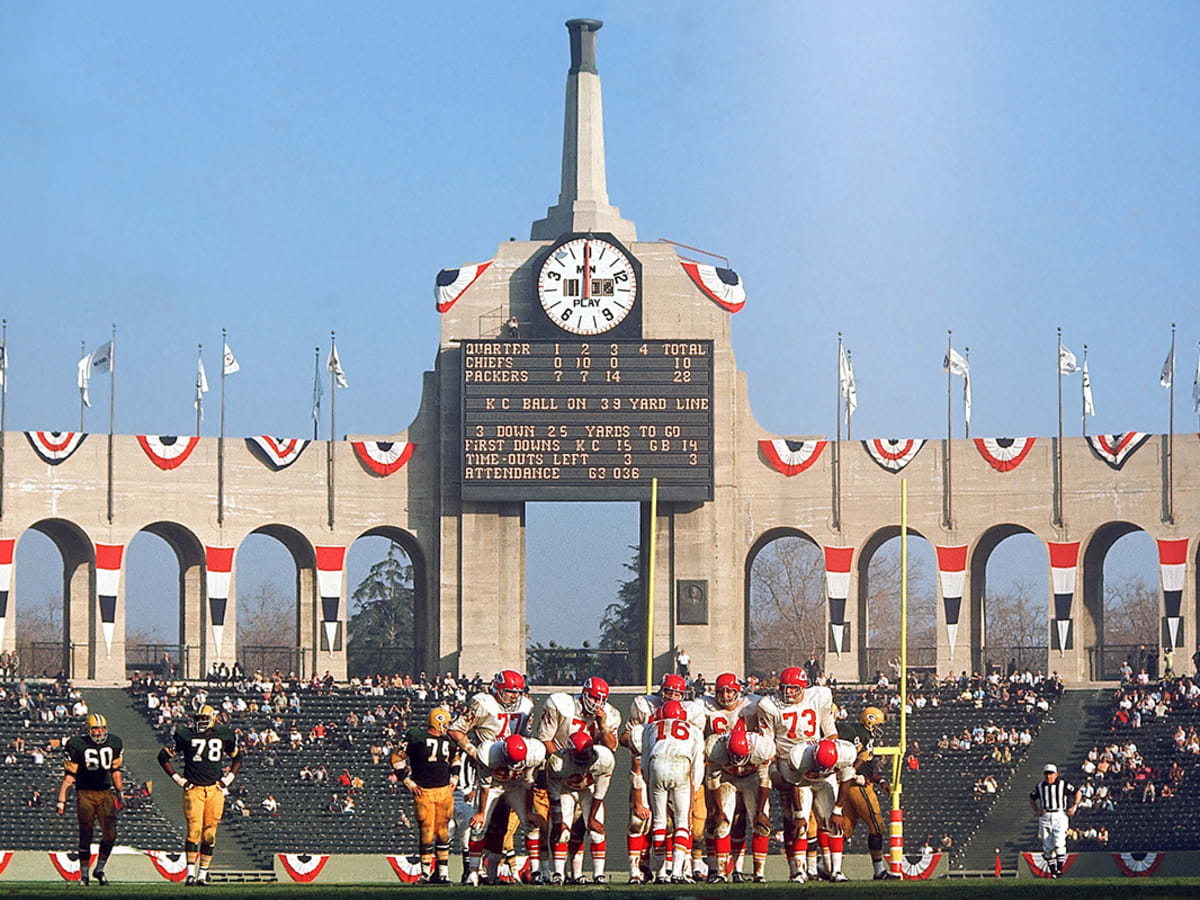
(192, 602)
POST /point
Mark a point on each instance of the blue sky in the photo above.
(887, 170)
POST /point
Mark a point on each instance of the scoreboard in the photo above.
(587, 420)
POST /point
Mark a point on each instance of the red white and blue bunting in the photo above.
(1037, 863)
(5, 858)
(384, 457)
(1004, 454)
(894, 455)
(330, 561)
(108, 583)
(921, 867)
(171, 866)
(276, 452)
(1114, 449)
(952, 568)
(6, 560)
(67, 864)
(303, 867)
(791, 457)
(722, 286)
(1064, 560)
(55, 446)
(218, 570)
(166, 450)
(1138, 865)
(1172, 566)
(407, 868)
(837, 586)
(451, 284)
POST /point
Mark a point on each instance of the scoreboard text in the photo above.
(586, 420)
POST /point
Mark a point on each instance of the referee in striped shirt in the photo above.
(1049, 802)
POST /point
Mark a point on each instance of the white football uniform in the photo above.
(641, 711)
(672, 755)
(718, 720)
(808, 719)
(574, 792)
(824, 784)
(504, 780)
(486, 720)
(563, 714)
(729, 781)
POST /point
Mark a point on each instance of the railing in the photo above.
(166, 660)
(1105, 660)
(268, 658)
(920, 659)
(1004, 659)
(768, 662)
(41, 659)
(570, 665)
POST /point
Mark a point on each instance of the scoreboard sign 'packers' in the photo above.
(587, 420)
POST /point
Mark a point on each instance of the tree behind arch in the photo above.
(381, 629)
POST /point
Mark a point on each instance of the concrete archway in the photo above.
(992, 648)
(921, 655)
(795, 588)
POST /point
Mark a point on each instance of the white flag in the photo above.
(848, 387)
(230, 364)
(98, 361)
(1196, 389)
(956, 364)
(335, 366)
(1167, 375)
(201, 386)
(1089, 408)
(318, 390)
(1067, 364)
(3, 367)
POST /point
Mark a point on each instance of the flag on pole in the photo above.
(230, 364)
(335, 366)
(956, 364)
(1089, 408)
(1195, 389)
(1067, 364)
(318, 391)
(201, 386)
(95, 363)
(846, 379)
(1167, 375)
(3, 367)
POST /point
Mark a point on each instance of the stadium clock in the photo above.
(588, 284)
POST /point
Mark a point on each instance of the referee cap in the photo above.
(1050, 767)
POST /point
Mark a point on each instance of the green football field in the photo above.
(1081, 888)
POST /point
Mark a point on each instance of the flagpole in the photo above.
(82, 353)
(1171, 439)
(199, 395)
(1058, 517)
(837, 445)
(332, 421)
(221, 441)
(849, 415)
(949, 502)
(3, 403)
(316, 388)
(1083, 386)
(112, 407)
(966, 381)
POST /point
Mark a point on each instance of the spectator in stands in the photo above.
(348, 805)
(946, 842)
(1102, 835)
(270, 805)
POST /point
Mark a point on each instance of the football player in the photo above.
(643, 709)
(862, 804)
(671, 749)
(820, 774)
(93, 765)
(508, 765)
(793, 716)
(427, 769)
(723, 709)
(494, 715)
(738, 768)
(579, 776)
(203, 747)
(565, 714)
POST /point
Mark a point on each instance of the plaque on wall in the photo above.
(691, 602)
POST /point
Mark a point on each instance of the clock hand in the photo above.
(587, 269)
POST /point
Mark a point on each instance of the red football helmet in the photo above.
(825, 756)
(508, 687)
(739, 746)
(672, 709)
(728, 690)
(582, 748)
(673, 687)
(594, 695)
(515, 749)
(792, 682)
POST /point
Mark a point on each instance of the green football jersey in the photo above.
(92, 764)
(204, 752)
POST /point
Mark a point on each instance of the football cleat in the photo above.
(97, 727)
(508, 687)
(205, 717)
(716, 878)
(727, 690)
(673, 687)
(190, 881)
(599, 879)
(539, 877)
(800, 877)
(83, 877)
(662, 879)
(792, 682)
(636, 879)
(738, 877)
(556, 879)
(760, 878)
(839, 876)
(473, 879)
(682, 879)
(594, 695)
(100, 877)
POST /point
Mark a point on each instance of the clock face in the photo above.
(587, 285)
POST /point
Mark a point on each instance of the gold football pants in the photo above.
(202, 807)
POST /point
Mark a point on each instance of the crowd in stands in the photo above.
(54, 703)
